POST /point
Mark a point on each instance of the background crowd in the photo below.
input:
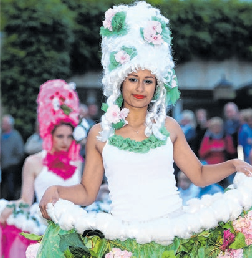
(213, 139)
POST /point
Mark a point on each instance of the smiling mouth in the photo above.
(138, 96)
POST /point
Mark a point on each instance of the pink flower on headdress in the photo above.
(124, 113)
(108, 19)
(122, 57)
(118, 253)
(113, 114)
(152, 33)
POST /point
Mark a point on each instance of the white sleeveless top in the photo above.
(142, 185)
(47, 178)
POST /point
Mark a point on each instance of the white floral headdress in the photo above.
(136, 37)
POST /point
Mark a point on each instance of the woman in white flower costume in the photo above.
(136, 144)
(58, 163)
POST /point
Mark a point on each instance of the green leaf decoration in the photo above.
(118, 125)
(23, 205)
(104, 107)
(72, 239)
(66, 109)
(247, 252)
(68, 254)
(131, 51)
(172, 95)
(31, 236)
(239, 241)
(201, 253)
(118, 23)
(168, 254)
(138, 147)
(119, 27)
(119, 101)
(113, 64)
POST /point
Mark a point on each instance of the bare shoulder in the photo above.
(93, 138)
(34, 159)
(172, 127)
(33, 164)
(95, 130)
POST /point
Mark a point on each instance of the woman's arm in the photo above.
(84, 193)
(27, 194)
(187, 161)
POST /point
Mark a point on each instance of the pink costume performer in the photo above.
(58, 104)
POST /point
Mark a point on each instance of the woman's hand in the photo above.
(5, 215)
(51, 195)
(241, 166)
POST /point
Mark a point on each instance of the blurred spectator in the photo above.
(34, 142)
(12, 154)
(211, 190)
(186, 188)
(232, 124)
(245, 134)
(93, 112)
(216, 146)
(188, 123)
(201, 127)
(84, 113)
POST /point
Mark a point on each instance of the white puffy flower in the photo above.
(143, 237)
(207, 200)
(56, 103)
(50, 212)
(79, 133)
(82, 223)
(246, 198)
(220, 210)
(72, 85)
(66, 221)
(192, 223)
(180, 227)
(32, 250)
(235, 208)
(84, 123)
(116, 231)
(207, 218)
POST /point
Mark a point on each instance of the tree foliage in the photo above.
(36, 48)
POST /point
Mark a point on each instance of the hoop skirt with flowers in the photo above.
(147, 218)
(29, 220)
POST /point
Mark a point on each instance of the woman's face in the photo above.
(216, 128)
(138, 89)
(62, 138)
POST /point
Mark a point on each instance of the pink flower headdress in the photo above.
(57, 102)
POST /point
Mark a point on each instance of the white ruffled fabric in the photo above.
(34, 224)
(199, 214)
